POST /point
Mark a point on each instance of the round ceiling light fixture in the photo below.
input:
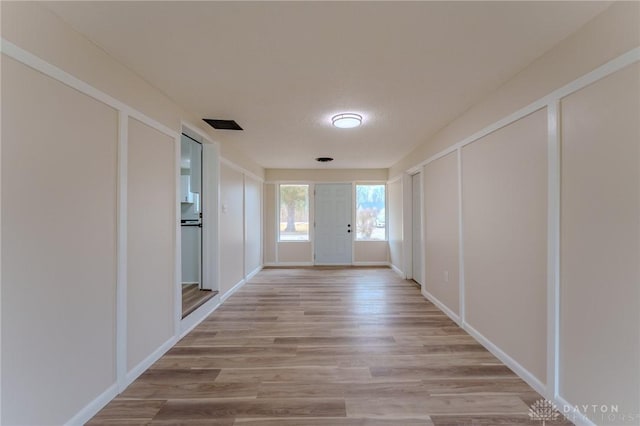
(346, 120)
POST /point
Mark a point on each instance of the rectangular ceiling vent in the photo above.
(222, 124)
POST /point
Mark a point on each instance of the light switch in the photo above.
(446, 276)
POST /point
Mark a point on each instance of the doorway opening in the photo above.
(194, 292)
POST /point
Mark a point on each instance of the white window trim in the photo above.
(309, 197)
(355, 211)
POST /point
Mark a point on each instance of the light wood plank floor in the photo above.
(325, 346)
(193, 298)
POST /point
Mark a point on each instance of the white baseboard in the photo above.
(524, 374)
(196, 317)
(371, 264)
(444, 308)
(92, 408)
(253, 273)
(397, 270)
(278, 264)
(143, 365)
(232, 290)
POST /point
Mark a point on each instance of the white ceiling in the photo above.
(282, 69)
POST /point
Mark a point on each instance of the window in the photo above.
(371, 213)
(294, 213)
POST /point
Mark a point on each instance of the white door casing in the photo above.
(333, 224)
(416, 187)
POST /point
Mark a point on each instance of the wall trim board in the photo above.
(423, 228)
(192, 320)
(240, 169)
(210, 216)
(395, 179)
(286, 264)
(551, 103)
(253, 273)
(524, 374)
(293, 182)
(92, 408)
(407, 225)
(444, 308)
(397, 270)
(39, 64)
(244, 225)
(232, 290)
(143, 365)
(602, 71)
(372, 263)
(121, 252)
(553, 249)
(310, 182)
(125, 113)
(198, 130)
(461, 284)
(262, 219)
(177, 239)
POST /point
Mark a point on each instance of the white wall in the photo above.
(441, 236)
(72, 119)
(269, 225)
(504, 202)
(608, 35)
(370, 252)
(150, 241)
(58, 247)
(240, 226)
(326, 175)
(394, 219)
(253, 224)
(549, 208)
(600, 244)
(231, 228)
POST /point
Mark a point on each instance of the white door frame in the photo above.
(210, 217)
(420, 202)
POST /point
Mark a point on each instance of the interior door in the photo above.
(333, 227)
(416, 187)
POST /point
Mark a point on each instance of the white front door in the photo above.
(333, 230)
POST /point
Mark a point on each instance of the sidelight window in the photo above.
(371, 223)
(294, 213)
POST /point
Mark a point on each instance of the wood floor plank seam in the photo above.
(322, 347)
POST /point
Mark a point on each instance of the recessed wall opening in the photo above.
(195, 291)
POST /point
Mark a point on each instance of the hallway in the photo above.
(325, 346)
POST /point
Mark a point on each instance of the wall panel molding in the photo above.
(610, 67)
(552, 103)
(64, 77)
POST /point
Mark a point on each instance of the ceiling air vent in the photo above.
(324, 159)
(222, 124)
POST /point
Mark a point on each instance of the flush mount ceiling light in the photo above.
(346, 120)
